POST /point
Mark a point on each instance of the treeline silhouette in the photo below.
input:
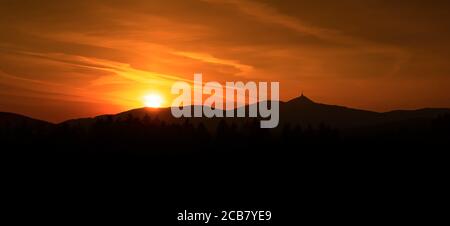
(153, 136)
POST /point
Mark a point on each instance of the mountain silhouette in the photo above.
(16, 120)
(304, 125)
(301, 110)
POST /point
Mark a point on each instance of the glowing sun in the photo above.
(153, 101)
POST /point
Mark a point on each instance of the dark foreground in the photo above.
(315, 185)
(134, 171)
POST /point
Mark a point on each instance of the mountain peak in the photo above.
(302, 99)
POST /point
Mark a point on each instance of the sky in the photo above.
(69, 59)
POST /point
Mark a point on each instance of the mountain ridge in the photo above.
(300, 110)
(9, 117)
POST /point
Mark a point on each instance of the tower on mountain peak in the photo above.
(302, 99)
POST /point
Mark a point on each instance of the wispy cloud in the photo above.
(112, 52)
(244, 69)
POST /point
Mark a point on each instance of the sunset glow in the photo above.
(68, 59)
(153, 101)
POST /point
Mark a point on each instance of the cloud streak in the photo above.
(110, 53)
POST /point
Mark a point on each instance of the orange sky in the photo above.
(67, 59)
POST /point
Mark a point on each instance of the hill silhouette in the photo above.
(14, 120)
(301, 110)
(303, 123)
